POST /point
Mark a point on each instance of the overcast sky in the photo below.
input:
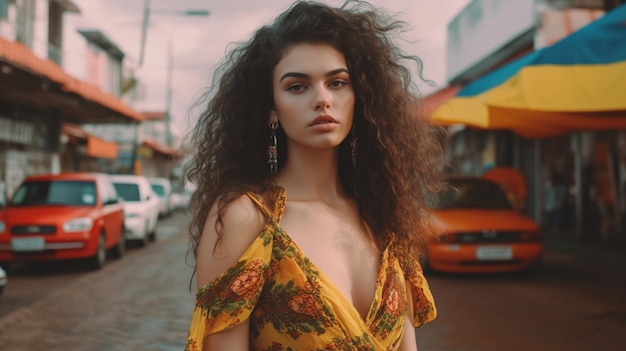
(198, 43)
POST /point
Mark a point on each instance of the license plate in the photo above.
(494, 253)
(28, 244)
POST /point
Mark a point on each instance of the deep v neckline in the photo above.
(330, 284)
(274, 217)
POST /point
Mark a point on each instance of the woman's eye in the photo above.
(296, 87)
(337, 83)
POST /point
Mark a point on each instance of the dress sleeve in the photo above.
(230, 298)
(424, 309)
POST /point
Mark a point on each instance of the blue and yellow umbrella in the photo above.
(578, 83)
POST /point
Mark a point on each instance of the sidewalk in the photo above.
(608, 255)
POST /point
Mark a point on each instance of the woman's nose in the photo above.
(322, 99)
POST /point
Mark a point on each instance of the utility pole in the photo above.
(147, 11)
(168, 94)
(144, 30)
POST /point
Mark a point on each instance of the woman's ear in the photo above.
(273, 118)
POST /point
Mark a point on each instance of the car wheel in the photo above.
(146, 235)
(152, 235)
(6, 265)
(120, 248)
(99, 259)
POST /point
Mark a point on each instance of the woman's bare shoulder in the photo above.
(241, 223)
(241, 211)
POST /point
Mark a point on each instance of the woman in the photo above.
(308, 239)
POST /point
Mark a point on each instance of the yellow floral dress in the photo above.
(293, 306)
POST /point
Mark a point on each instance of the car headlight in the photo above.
(78, 225)
(132, 215)
(2, 227)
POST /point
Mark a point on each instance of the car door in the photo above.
(151, 201)
(112, 211)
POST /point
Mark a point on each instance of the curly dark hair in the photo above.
(400, 153)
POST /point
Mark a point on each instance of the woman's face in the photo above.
(313, 96)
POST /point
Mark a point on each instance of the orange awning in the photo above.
(101, 148)
(96, 147)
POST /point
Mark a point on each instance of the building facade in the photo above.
(38, 97)
(487, 35)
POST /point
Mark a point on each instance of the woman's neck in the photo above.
(311, 175)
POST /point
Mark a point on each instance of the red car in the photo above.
(62, 216)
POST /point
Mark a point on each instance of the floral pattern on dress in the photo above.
(288, 306)
(424, 308)
(234, 293)
(393, 304)
(302, 310)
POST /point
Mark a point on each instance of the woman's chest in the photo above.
(340, 248)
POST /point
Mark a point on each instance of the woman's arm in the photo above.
(409, 342)
(235, 339)
(242, 222)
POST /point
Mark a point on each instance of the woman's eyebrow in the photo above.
(303, 75)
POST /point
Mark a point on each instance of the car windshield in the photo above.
(55, 192)
(473, 193)
(159, 189)
(128, 191)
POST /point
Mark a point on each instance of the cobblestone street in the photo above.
(141, 302)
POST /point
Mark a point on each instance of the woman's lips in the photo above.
(324, 119)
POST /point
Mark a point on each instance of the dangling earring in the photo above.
(354, 149)
(272, 149)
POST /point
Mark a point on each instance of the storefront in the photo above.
(36, 97)
(28, 138)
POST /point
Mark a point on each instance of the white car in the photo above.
(163, 188)
(141, 207)
(3, 280)
(182, 198)
(180, 201)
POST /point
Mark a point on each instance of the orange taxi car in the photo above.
(479, 231)
(63, 216)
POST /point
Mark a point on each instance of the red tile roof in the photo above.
(74, 130)
(154, 115)
(19, 55)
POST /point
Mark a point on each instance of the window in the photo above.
(55, 193)
(4, 9)
(25, 22)
(158, 189)
(55, 32)
(128, 191)
(473, 193)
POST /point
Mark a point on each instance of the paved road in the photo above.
(141, 302)
(567, 304)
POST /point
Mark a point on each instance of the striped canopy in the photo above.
(578, 83)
